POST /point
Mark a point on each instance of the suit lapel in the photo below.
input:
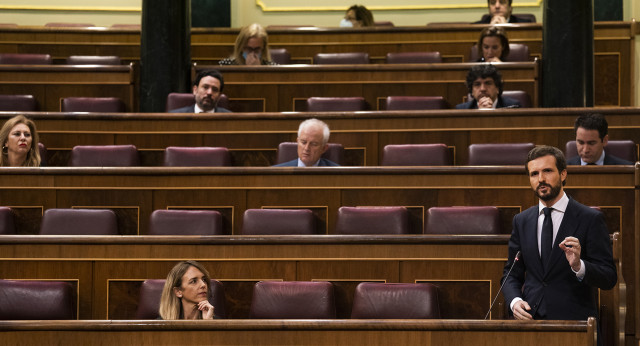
(531, 235)
(567, 228)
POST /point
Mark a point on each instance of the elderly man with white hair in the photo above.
(313, 135)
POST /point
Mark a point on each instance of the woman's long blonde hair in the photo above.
(247, 32)
(33, 156)
(170, 305)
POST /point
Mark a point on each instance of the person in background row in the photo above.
(251, 48)
(207, 88)
(313, 136)
(500, 13)
(19, 139)
(357, 16)
(493, 45)
(185, 295)
(484, 83)
(591, 139)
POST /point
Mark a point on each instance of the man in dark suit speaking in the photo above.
(565, 247)
(313, 136)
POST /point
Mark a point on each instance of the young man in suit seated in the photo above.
(500, 13)
(484, 83)
(313, 136)
(591, 138)
(207, 88)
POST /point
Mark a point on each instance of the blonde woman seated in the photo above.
(251, 48)
(19, 139)
(186, 292)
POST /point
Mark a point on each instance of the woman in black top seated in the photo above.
(251, 48)
(493, 45)
(186, 292)
(19, 139)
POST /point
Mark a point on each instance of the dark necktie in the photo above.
(546, 238)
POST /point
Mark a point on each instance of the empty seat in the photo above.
(18, 103)
(278, 221)
(517, 52)
(197, 157)
(44, 155)
(25, 59)
(179, 100)
(336, 104)
(341, 58)
(405, 103)
(395, 301)
(7, 225)
(185, 222)
(280, 56)
(92, 104)
(151, 292)
(79, 222)
(463, 220)
(293, 299)
(499, 153)
(624, 149)
(127, 26)
(415, 155)
(68, 25)
(93, 60)
(386, 24)
(288, 151)
(372, 220)
(414, 58)
(104, 156)
(519, 95)
(37, 300)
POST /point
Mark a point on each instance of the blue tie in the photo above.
(546, 237)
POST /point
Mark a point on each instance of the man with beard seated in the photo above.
(207, 88)
(484, 83)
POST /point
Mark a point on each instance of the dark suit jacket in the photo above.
(192, 109)
(608, 160)
(502, 102)
(486, 19)
(558, 292)
(294, 163)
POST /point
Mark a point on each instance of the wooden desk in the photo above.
(286, 88)
(50, 83)
(302, 332)
(614, 46)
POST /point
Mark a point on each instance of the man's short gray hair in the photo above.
(313, 122)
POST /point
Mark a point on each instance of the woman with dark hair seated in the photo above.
(186, 292)
(357, 16)
(19, 139)
(493, 45)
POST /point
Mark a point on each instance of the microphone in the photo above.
(516, 259)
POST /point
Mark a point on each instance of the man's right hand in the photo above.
(520, 309)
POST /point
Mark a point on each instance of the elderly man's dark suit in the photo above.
(556, 293)
(322, 163)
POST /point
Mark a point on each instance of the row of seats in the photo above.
(28, 103)
(350, 220)
(281, 56)
(489, 154)
(45, 59)
(270, 300)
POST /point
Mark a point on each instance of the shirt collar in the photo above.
(600, 161)
(561, 204)
(199, 110)
(301, 164)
